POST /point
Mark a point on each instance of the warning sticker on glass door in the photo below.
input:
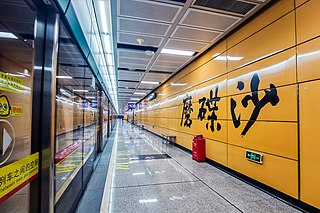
(15, 176)
(6, 110)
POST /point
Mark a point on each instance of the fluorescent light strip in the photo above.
(64, 77)
(7, 35)
(177, 52)
(135, 99)
(139, 93)
(91, 97)
(150, 82)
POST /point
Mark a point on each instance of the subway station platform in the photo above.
(146, 175)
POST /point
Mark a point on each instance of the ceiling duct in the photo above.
(233, 6)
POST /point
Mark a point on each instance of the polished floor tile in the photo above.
(141, 183)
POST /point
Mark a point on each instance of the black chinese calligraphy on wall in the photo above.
(270, 96)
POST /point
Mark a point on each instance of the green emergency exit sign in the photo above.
(254, 156)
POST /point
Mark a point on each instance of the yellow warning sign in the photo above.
(15, 176)
(11, 83)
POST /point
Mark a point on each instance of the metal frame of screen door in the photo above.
(43, 104)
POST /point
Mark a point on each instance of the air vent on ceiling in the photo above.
(232, 6)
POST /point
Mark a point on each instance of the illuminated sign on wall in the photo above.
(254, 156)
(151, 96)
(131, 106)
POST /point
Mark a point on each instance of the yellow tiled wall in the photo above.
(279, 49)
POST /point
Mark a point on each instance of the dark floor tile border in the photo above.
(150, 156)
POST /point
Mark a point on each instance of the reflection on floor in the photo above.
(69, 165)
(176, 184)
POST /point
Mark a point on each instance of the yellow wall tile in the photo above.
(283, 110)
(211, 69)
(216, 151)
(307, 20)
(279, 173)
(215, 135)
(278, 9)
(279, 70)
(309, 144)
(207, 56)
(299, 2)
(278, 138)
(309, 60)
(203, 89)
(276, 37)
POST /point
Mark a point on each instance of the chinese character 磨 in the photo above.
(186, 112)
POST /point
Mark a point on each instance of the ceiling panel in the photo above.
(164, 68)
(125, 90)
(156, 77)
(142, 27)
(129, 38)
(164, 57)
(185, 45)
(147, 86)
(168, 63)
(208, 20)
(132, 66)
(195, 34)
(133, 54)
(133, 60)
(129, 75)
(148, 10)
(127, 84)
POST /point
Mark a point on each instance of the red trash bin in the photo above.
(198, 148)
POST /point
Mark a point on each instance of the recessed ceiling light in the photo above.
(150, 82)
(177, 52)
(64, 76)
(139, 93)
(149, 52)
(7, 35)
(140, 41)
